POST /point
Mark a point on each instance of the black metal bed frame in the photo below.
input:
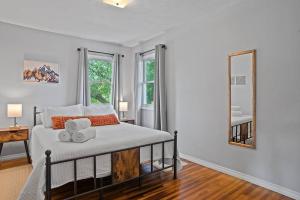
(235, 133)
(100, 188)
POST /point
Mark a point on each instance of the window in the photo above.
(100, 79)
(148, 80)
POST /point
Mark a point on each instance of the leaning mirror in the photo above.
(242, 95)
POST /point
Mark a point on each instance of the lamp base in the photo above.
(122, 115)
(15, 126)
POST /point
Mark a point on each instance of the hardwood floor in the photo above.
(194, 182)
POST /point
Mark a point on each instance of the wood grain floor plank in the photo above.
(194, 182)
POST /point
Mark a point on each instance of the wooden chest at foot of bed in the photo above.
(244, 131)
(125, 165)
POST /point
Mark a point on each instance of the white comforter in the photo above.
(108, 138)
(236, 120)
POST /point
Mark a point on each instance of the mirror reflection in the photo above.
(242, 98)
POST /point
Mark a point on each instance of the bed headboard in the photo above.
(35, 113)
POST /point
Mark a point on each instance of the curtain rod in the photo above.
(111, 54)
(143, 53)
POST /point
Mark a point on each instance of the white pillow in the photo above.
(235, 108)
(236, 113)
(40, 119)
(101, 109)
(75, 110)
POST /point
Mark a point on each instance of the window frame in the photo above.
(145, 58)
(101, 57)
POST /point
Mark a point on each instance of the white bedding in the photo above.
(236, 120)
(108, 138)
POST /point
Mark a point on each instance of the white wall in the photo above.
(198, 94)
(19, 43)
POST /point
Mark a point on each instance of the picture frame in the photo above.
(40, 72)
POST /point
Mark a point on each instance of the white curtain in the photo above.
(83, 90)
(138, 88)
(116, 82)
(160, 101)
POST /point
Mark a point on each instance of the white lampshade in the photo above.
(14, 110)
(117, 3)
(123, 106)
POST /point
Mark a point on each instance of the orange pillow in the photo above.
(58, 122)
(103, 120)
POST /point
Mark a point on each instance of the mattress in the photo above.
(236, 120)
(108, 138)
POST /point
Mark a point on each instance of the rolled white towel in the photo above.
(236, 113)
(235, 108)
(77, 124)
(84, 135)
(64, 136)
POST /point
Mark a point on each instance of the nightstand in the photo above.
(129, 121)
(13, 135)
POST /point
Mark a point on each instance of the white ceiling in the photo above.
(139, 21)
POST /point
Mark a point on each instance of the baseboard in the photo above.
(260, 182)
(12, 157)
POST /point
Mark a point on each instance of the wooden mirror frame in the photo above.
(238, 53)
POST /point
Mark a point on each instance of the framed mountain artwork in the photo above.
(40, 72)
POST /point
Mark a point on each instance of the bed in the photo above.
(241, 127)
(56, 163)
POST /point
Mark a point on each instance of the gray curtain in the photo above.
(83, 90)
(138, 88)
(116, 82)
(160, 101)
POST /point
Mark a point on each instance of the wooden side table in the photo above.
(14, 135)
(129, 121)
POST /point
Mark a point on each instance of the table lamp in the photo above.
(14, 110)
(123, 107)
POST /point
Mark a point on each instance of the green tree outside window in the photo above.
(149, 72)
(100, 80)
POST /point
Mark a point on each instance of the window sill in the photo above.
(151, 108)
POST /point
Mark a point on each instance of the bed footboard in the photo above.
(99, 187)
(241, 132)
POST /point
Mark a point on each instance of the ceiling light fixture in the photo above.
(117, 3)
